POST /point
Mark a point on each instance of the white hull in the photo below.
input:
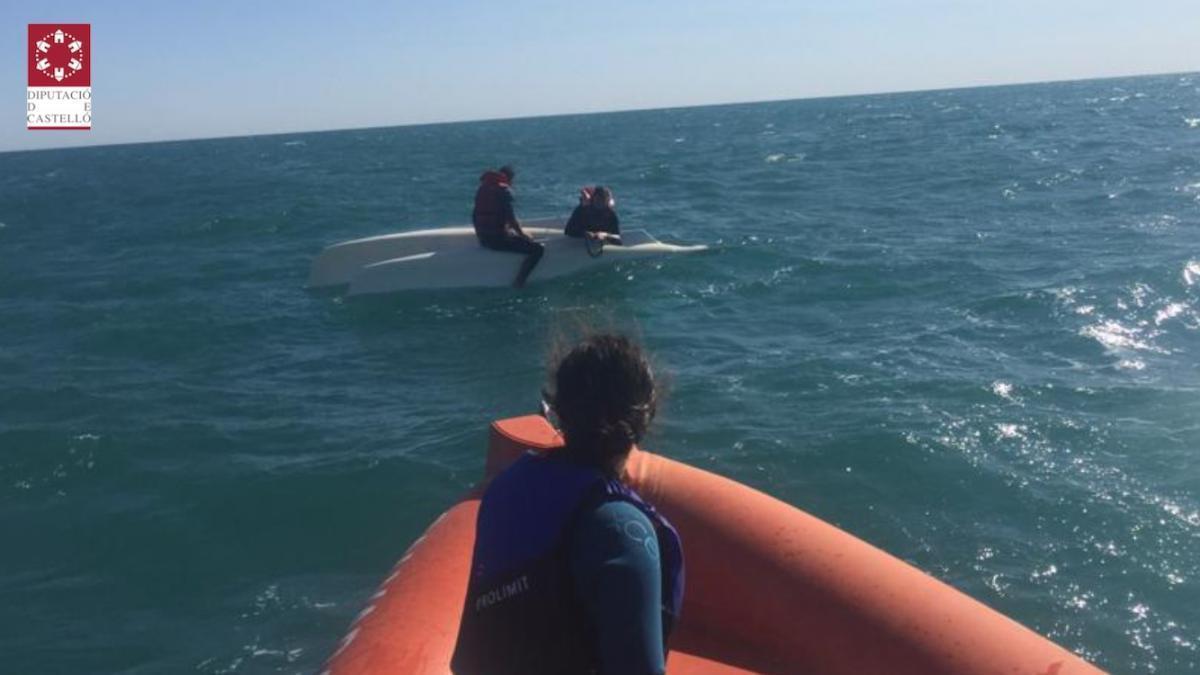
(337, 264)
(451, 257)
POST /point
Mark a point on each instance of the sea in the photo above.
(963, 325)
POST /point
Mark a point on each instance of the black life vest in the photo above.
(492, 203)
(521, 613)
(593, 215)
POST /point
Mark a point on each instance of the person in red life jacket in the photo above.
(595, 217)
(572, 572)
(496, 223)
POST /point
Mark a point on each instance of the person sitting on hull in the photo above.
(596, 216)
(571, 571)
(496, 223)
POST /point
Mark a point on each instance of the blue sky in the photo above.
(170, 70)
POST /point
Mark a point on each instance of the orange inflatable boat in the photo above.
(770, 589)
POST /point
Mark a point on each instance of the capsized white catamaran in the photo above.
(451, 257)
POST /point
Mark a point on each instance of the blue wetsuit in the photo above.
(571, 573)
(615, 569)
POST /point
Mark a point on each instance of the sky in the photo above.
(166, 70)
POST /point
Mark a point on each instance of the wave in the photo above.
(1116, 336)
(1191, 272)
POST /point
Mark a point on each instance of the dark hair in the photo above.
(507, 170)
(604, 396)
(601, 195)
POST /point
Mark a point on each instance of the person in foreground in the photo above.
(496, 223)
(595, 217)
(572, 572)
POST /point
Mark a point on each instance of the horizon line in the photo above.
(718, 104)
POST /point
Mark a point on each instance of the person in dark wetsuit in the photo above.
(496, 223)
(572, 572)
(595, 217)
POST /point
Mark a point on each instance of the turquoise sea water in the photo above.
(963, 325)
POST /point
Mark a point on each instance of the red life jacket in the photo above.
(492, 204)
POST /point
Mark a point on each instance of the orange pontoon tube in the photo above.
(770, 589)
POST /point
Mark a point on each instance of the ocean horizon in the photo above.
(549, 115)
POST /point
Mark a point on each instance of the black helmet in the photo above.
(603, 196)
